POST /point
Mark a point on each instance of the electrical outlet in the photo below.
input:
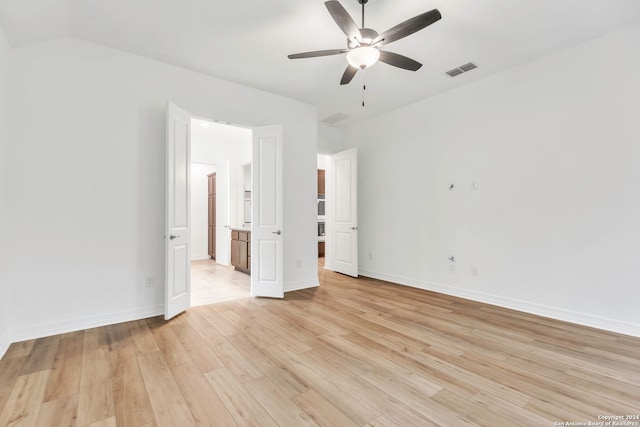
(474, 185)
(474, 271)
(452, 268)
(297, 263)
(370, 256)
(149, 282)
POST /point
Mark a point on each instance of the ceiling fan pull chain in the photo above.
(364, 85)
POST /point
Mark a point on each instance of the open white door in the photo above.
(223, 231)
(266, 213)
(178, 216)
(344, 215)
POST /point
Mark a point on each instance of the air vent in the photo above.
(462, 69)
(468, 67)
(335, 118)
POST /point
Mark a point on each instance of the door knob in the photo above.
(171, 236)
(354, 228)
(277, 232)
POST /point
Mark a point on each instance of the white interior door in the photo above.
(266, 213)
(178, 216)
(223, 232)
(344, 215)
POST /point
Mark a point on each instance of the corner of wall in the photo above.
(4, 120)
(329, 139)
(4, 343)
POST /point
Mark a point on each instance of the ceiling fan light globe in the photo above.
(363, 57)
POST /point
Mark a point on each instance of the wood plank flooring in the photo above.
(354, 352)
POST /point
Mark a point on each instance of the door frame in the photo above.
(222, 177)
(255, 257)
(213, 242)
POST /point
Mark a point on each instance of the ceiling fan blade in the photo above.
(348, 75)
(343, 19)
(408, 27)
(399, 61)
(317, 53)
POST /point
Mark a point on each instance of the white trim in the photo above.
(200, 257)
(77, 324)
(301, 284)
(584, 319)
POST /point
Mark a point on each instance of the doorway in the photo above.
(265, 231)
(340, 220)
(220, 157)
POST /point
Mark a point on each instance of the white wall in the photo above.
(4, 181)
(200, 209)
(329, 139)
(86, 201)
(553, 227)
(323, 161)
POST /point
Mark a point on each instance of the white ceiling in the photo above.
(248, 41)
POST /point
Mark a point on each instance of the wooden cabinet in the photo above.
(212, 216)
(321, 181)
(241, 250)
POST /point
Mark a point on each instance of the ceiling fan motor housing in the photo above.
(367, 35)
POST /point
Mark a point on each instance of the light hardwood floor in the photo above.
(350, 353)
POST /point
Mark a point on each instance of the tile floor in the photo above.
(212, 283)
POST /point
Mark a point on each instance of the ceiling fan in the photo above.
(363, 44)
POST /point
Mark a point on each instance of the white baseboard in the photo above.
(77, 324)
(199, 257)
(302, 284)
(558, 313)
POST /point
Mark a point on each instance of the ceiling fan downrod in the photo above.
(363, 2)
(364, 81)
